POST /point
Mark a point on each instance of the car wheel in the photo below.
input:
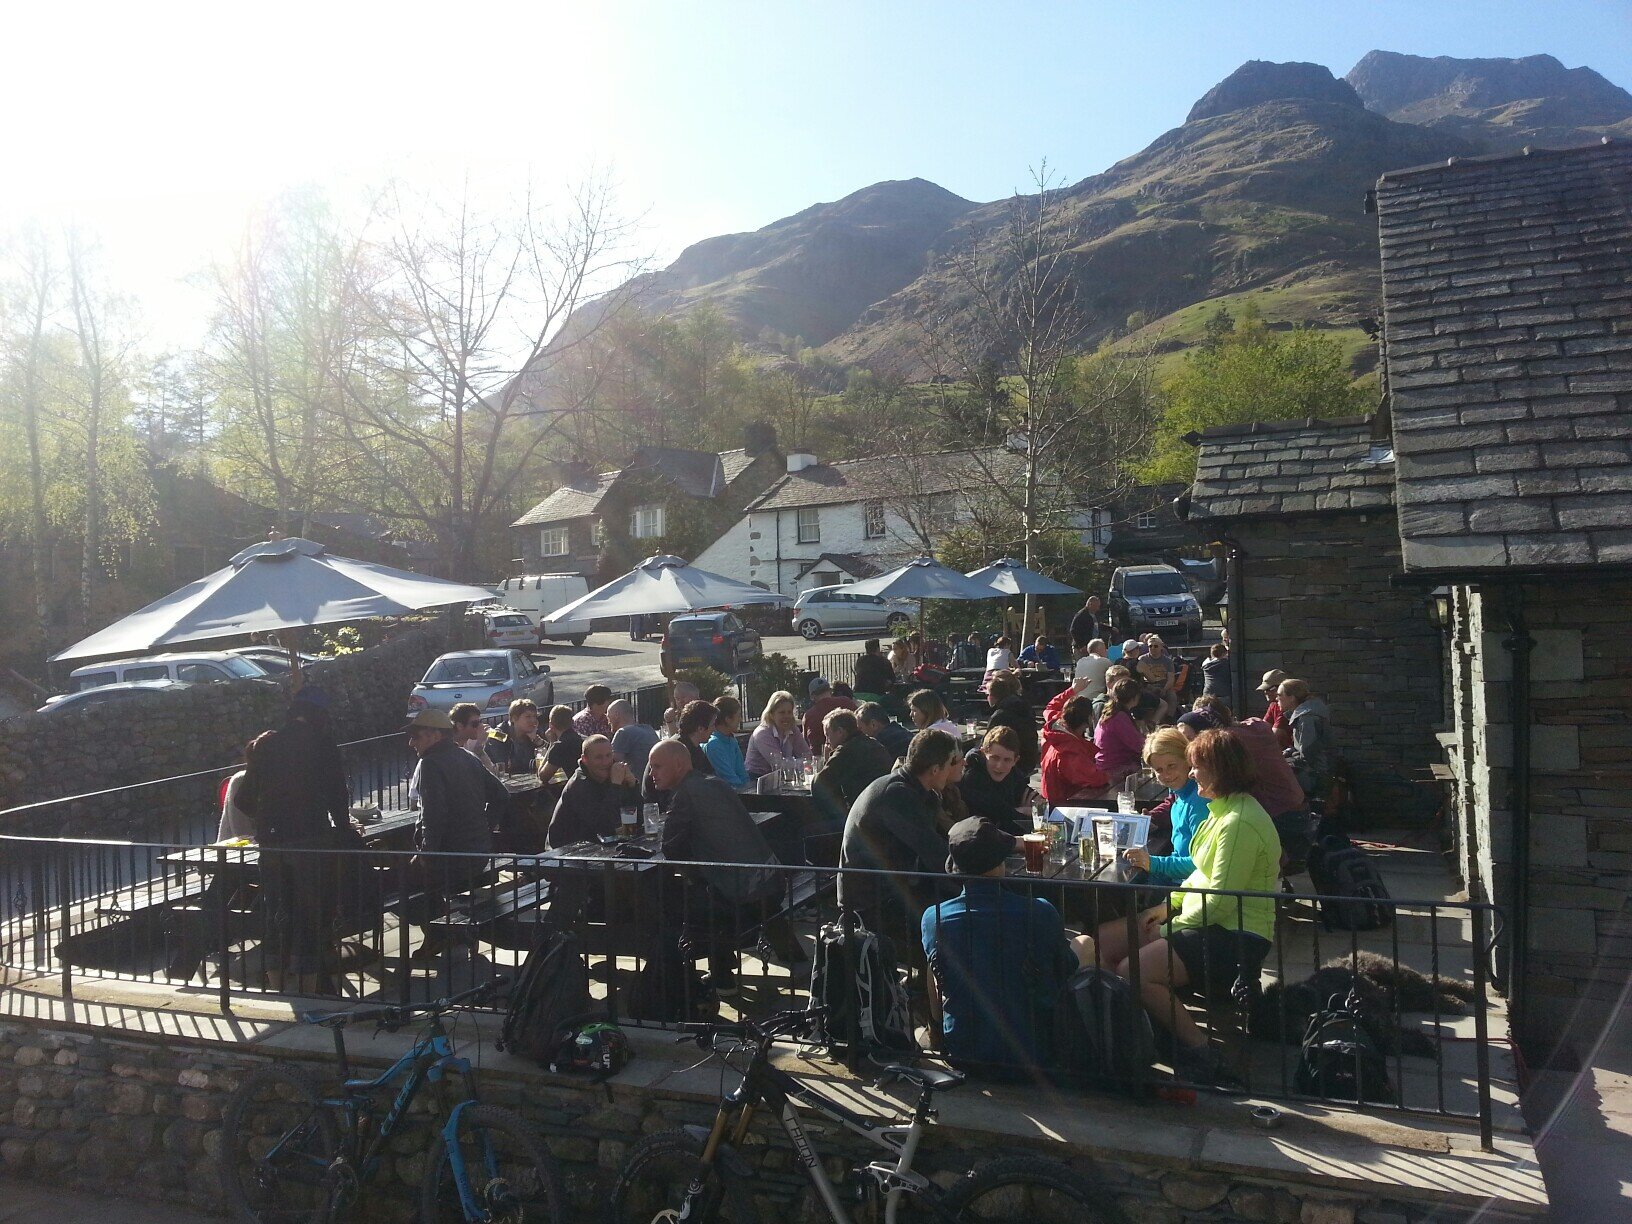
(810, 630)
(895, 620)
(578, 639)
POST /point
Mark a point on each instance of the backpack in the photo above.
(856, 982)
(1102, 1034)
(1339, 1058)
(551, 991)
(930, 675)
(1339, 868)
(599, 1048)
(668, 989)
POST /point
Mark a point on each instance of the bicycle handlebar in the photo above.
(393, 1018)
(780, 1025)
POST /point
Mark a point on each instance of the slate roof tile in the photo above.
(1282, 467)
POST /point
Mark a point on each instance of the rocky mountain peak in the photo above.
(1266, 81)
(1420, 89)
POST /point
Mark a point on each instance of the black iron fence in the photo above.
(665, 942)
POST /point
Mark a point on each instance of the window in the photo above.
(828, 578)
(875, 520)
(200, 673)
(810, 525)
(645, 522)
(552, 542)
(155, 671)
(1145, 521)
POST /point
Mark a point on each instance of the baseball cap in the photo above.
(1133, 646)
(437, 720)
(1199, 720)
(976, 845)
(1272, 680)
(820, 684)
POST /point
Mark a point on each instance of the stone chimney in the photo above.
(799, 462)
(758, 438)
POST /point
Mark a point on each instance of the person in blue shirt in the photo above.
(875, 722)
(998, 958)
(722, 749)
(1166, 752)
(1040, 654)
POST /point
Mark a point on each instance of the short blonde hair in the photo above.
(777, 698)
(1166, 741)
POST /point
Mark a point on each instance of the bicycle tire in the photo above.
(257, 1190)
(1029, 1190)
(672, 1156)
(515, 1194)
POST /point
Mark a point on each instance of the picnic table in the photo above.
(1065, 882)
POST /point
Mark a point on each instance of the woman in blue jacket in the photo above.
(1166, 752)
(722, 749)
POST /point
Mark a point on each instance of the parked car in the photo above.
(109, 694)
(711, 639)
(490, 678)
(502, 627)
(1147, 598)
(834, 609)
(538, 595)
(201, 667)
(275, 662)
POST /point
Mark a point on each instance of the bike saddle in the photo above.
(925, 1078)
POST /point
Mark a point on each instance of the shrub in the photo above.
(769, 674)
(711, 684)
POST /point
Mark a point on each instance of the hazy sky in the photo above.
(162, 126)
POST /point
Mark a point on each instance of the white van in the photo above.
(538, 595)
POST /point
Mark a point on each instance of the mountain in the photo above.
(1499, 105)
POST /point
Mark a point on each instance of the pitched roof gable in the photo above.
(1291, 467)
(854, 480)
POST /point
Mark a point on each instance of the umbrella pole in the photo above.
(295, 678)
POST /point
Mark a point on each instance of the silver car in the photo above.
(490, 678)
(836, 609)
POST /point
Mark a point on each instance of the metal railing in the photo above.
(666, 942)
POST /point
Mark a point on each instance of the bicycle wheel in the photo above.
(511, 1178)
(652, 1186)
(277, 1144)
(1028, 1190)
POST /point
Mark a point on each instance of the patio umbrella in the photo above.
(279, 584)
(922, 578)
(1007, 576)
(662, 584)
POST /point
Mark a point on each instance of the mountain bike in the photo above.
(293, 1151)
(701, 1174)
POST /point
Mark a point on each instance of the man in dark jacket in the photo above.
(892, 828)
(1010, 709)
(514, 743)
(595, 795)
(461, 804)
(853, 762)
(875, 724)
(874, 675)
(1086, 625)
(295, 792)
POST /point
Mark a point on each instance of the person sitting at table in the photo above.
(460, 805)
(1093, 667)
(992, 784)
(853, 760)
(777, 738)
(1208, 946)
(566, 746)
(1071, 769)
(823, 701)
(998, 961)
(928, 713)
(695, 727)
(592, 719)
(592, 802)
(1116, 672)
(514, 743)
(919, 654)
(1216, 680)
(632, 739)
(1010, 709)
(969, 654)
(468, 731)
(707, 823)
(875, 723)
(891, 829)
(683, 694)
(999, 657)
(1041, 654)
(1117, 736)
(953, 807)
(1167, 754)
(721, 748)
(902, 660)
(1275, 786)
(1159, 675)
(874, 675)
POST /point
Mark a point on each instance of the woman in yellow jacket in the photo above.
(1212, 940)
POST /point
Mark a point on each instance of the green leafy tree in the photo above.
(1244, 372)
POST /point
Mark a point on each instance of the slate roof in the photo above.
(850, 563)
(570, 501)
(1507, 293)
(734, 463)
(1285, 467)
(853, 480)
(696, 473)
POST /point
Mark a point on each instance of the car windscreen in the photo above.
(507, 622)
(469, 669)
(241, 668)
(93, 680)
(1166, 583)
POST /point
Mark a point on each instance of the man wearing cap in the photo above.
(823, 701)
(999, 959)
(1274, 715)
(461, 804)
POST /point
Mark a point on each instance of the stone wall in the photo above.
(1319, 606)
(198, 728)
(142, 1118)
(1581, 776)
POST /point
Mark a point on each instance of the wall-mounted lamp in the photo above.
(1439, 608)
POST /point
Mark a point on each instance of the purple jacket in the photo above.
(766, 748)
(1120, 744)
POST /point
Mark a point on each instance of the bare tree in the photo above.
(34, 289)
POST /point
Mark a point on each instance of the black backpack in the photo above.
(1340, 1059)
(549, 994)
(1102, 1035)
(856, 982)
(1339, 868)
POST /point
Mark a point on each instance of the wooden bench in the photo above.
(506, 915)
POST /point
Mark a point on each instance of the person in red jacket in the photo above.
(1274, 715)
(1070, 768)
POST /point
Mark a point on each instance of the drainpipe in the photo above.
(1235, 582)
(1519, 644)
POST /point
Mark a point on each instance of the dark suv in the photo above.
(1157, 598)
(711, 639)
